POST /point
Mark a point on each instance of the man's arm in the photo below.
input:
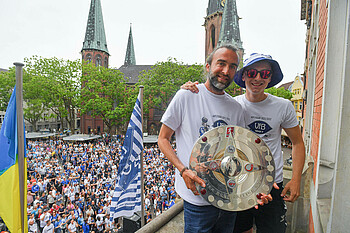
(165, 146)
(298, 157)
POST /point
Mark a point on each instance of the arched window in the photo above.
(212, 34)
(98, 60)
(88, 58)
(106, 62)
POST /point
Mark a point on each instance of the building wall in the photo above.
(212, 21)
(297, 89)
(327, 114)
(93, 124)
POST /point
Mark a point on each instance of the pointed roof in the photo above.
(130, 53)
(229, 32)
(215, 6)
(95, 37)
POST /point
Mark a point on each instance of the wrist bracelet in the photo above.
(182, 171)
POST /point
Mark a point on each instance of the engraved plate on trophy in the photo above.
(236, 166)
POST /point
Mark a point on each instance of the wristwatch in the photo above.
(182, 171)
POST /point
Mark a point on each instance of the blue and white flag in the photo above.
(127, 194)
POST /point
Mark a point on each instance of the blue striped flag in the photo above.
(127, 194)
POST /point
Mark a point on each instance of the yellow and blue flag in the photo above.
(10, 209)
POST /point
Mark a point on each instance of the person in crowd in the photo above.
(32, 225)
(49, 227)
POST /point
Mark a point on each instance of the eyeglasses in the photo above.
(264, 74)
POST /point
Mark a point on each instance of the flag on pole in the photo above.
(126, 198)
(10, 209)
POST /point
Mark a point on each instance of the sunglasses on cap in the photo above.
(264, 74)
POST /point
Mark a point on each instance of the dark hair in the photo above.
(226, 46)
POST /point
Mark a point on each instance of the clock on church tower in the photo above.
(223, 2)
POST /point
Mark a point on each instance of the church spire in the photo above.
(215, 6)
(130, 53)
(229, 32)
(95, 38)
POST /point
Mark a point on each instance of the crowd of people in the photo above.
(70, 184)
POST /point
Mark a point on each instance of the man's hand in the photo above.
(191, 86)
(264, 199)
(190, 179)
(292, 191)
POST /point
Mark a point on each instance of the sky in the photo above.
(160, 28)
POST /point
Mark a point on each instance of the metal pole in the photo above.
(141, 162)
(20, 139)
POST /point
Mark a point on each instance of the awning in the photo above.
(33, 135)
(81, 137)
(150, 139)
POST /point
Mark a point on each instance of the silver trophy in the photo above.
(236, 165)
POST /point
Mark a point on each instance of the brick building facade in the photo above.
(327, 113)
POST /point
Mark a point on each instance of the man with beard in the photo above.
(184, 116)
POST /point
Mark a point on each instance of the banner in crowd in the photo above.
(10, 209)
(127, 195)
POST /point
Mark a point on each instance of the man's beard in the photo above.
(215, 84)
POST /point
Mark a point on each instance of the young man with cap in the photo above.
(186, 115)
(266, 115)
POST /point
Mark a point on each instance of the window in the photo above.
(106, 62)
(88, 57)
(98, 60)
(213, 37)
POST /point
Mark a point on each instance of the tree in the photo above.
(59, 81)
(281, 92)
(163, 80)
(33, 107)
(104, 95)
(7, 83)
(234, 90)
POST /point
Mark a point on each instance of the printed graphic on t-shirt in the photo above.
(259, 127)
(206, 127)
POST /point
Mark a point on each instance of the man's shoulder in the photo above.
(183, 93)
(239, 97)
(277, 99)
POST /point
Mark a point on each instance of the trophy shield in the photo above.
(236, 166)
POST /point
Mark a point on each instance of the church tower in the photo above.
(94, 50)
(95, 45)
(221, 25)
(229, 31)
(212, 24)
(130, 59)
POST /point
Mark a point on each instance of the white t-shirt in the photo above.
(192, 114)
(32, 227)
(72, 227)
(266, 119)
(49, 228)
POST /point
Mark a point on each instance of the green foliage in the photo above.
(55, 82)
(104, 94)
(164, 79)
(281, 92)
(234, 90)
(7, 83)
(33, 98)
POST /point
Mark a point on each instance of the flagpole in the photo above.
(20, 137)
(141, 162)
